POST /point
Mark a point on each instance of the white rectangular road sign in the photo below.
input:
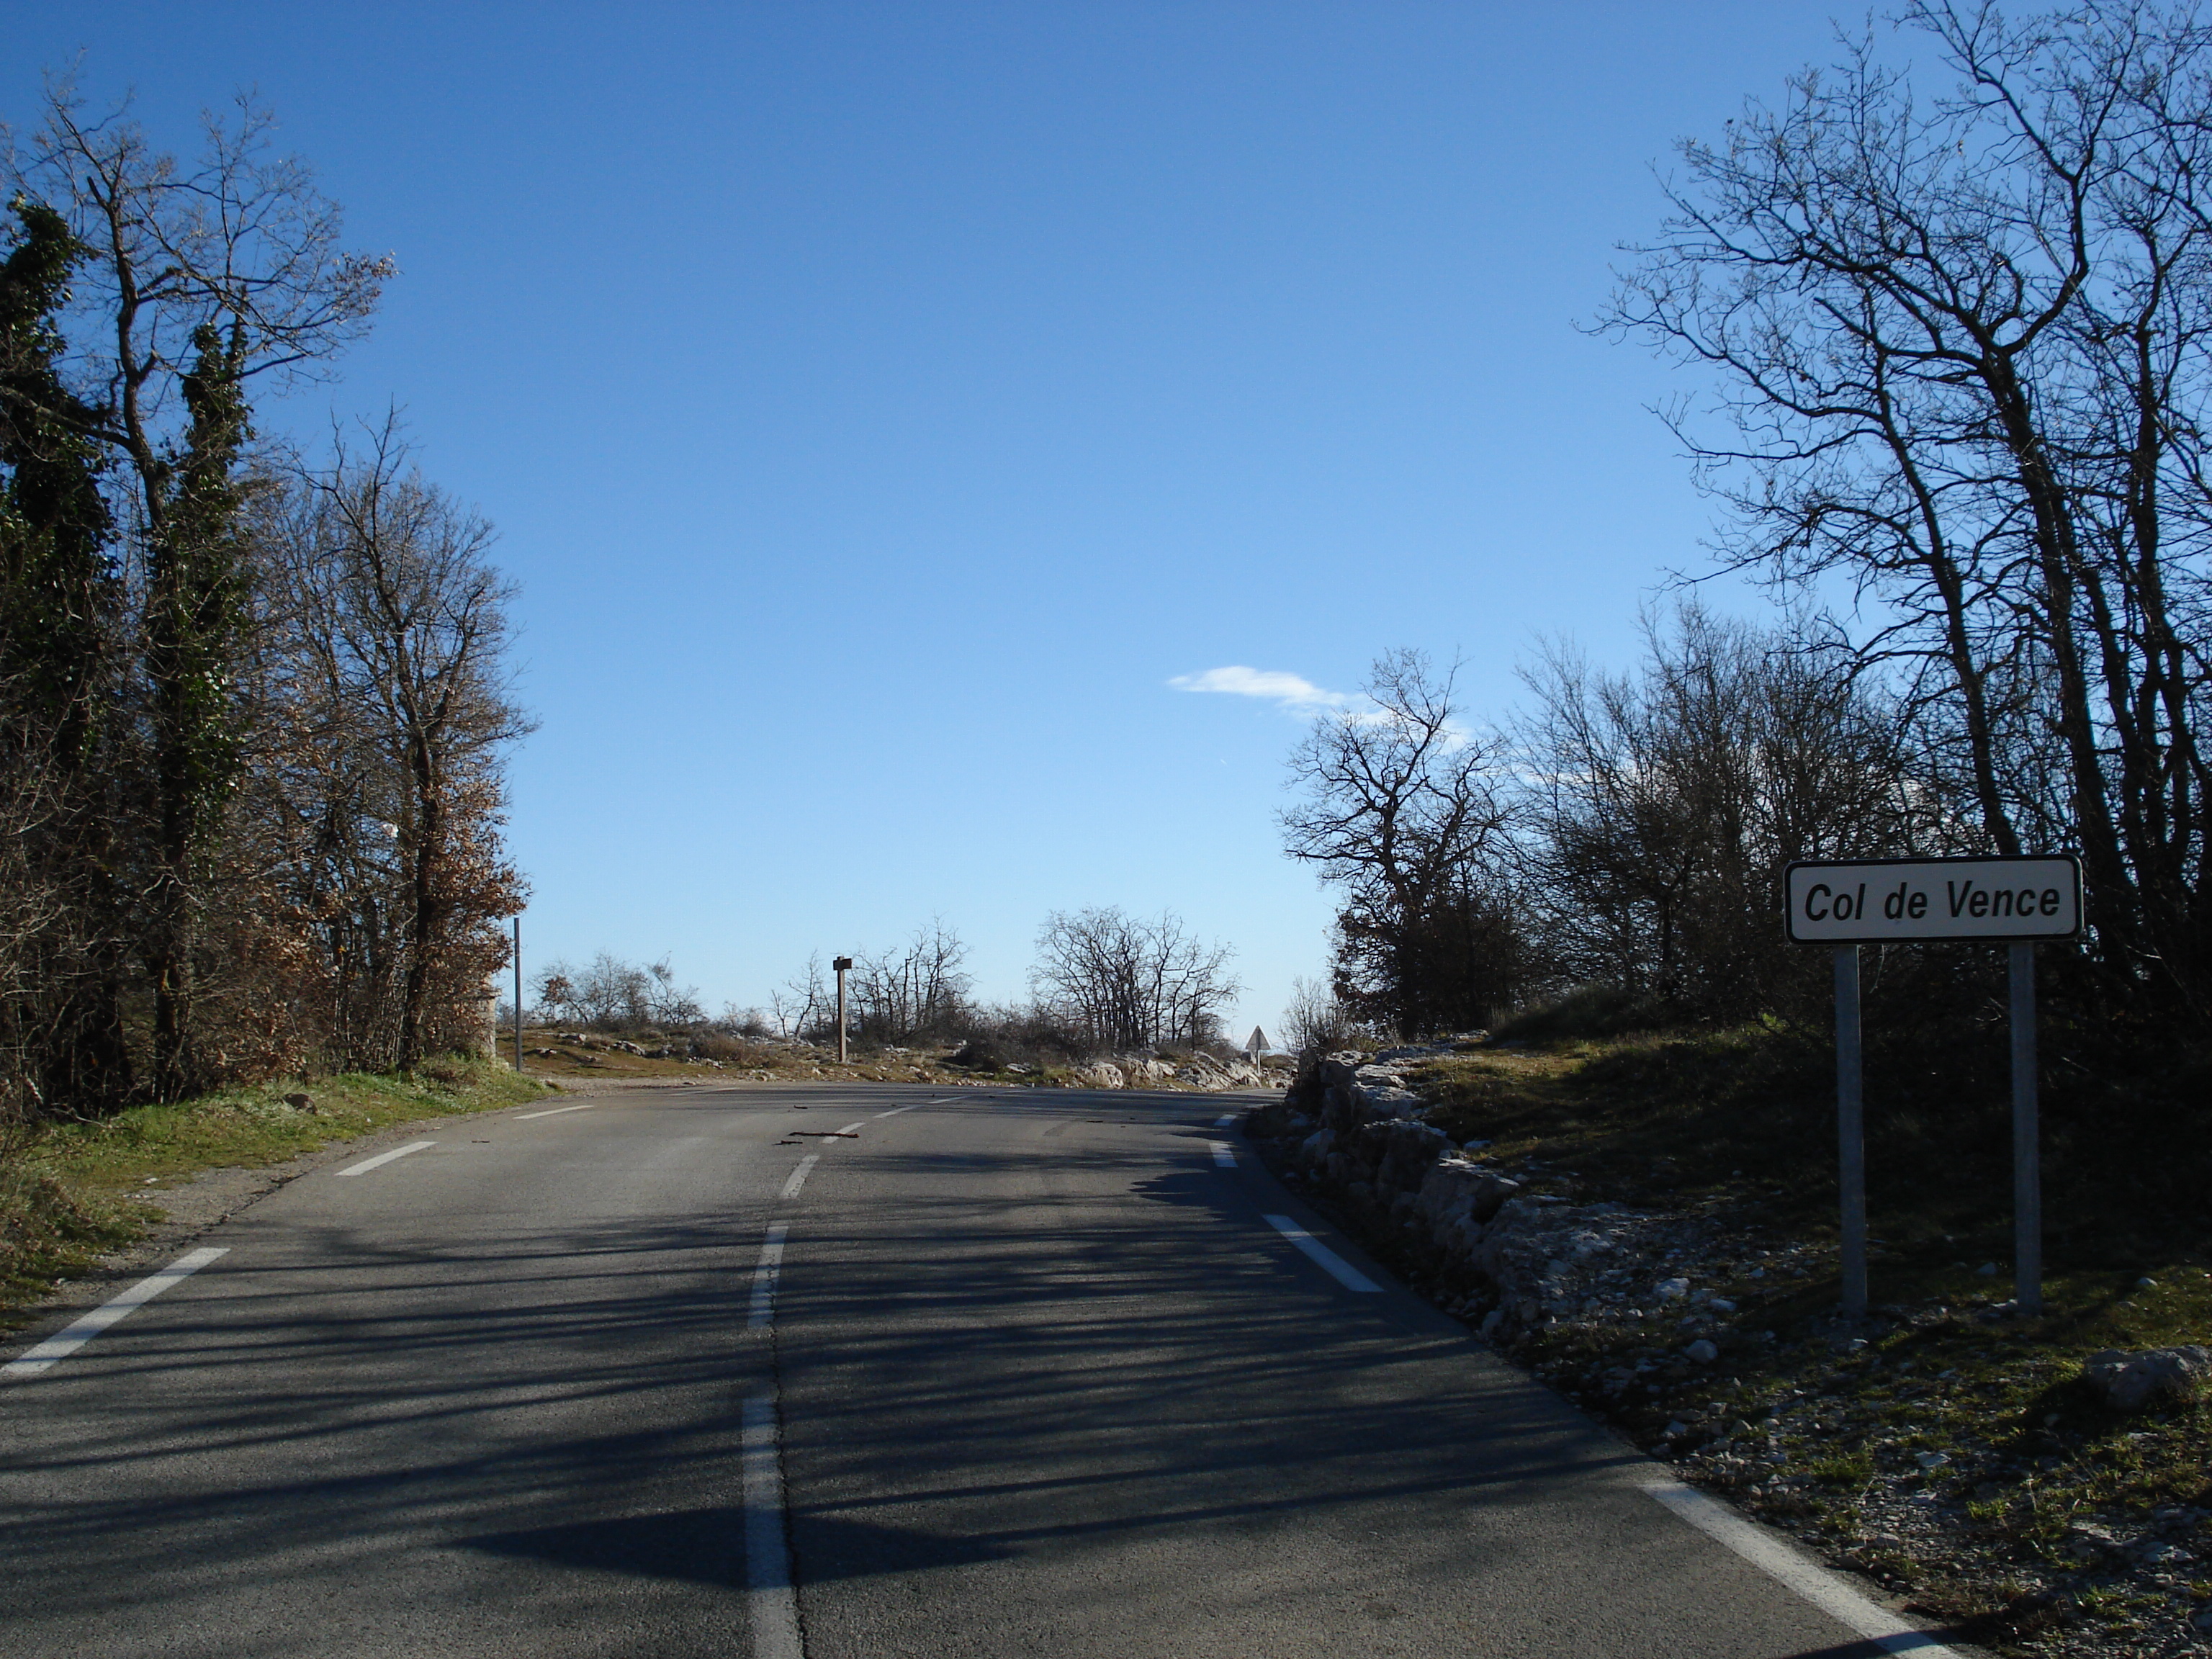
(1897, 901)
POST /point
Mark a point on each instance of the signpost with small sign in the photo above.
(2016, 902)
(844, 965)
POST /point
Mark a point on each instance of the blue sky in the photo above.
(882, 406)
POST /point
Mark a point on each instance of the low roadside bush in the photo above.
(994, 1038)
(1586, 1012)
(47, 1228)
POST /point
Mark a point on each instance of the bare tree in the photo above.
(670, 1005)
(1316, 1019)
(392, 678)
(915, 992)
(613, 994)
(1960, 343)
(1126, 983)
(554, 986)
(1403, 813)
(805, 1006)
(1663, 807)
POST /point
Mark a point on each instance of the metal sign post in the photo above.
(1851, 1131)
(2015, 901)
(518, 994)
(2026, 1139)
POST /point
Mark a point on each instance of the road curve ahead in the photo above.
(840, 1373)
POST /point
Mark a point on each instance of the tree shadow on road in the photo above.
(707, 1546)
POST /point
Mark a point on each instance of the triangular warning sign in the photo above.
(1257, 1043)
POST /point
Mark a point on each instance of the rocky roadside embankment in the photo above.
(1200, 1072)
(601, 1058)
(1938, 1450)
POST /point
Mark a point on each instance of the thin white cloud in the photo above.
(1286, 690)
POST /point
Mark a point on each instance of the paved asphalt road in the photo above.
(1047, 1382)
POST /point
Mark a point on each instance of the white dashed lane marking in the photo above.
(520, 1117)
(1322, 1257)
(382, 1159)
(73, 1336)
(896, 1110)
(772, 1603)
(798, 1177)
(764, 1276)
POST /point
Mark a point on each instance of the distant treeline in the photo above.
(1105, 980)
(252, 706)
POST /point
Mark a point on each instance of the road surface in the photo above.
(843, 1373)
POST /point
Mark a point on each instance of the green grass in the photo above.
(1852, 1469)
(1742, 1118)
(72, 1191)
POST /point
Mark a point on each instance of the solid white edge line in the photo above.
(1225, 1155)
(80, 1331)
(798, 1178)
(764, 1276)
(368, 1163)
(524, 1117)
(769, 1598)
(1322, 1256)
(1825, 1591)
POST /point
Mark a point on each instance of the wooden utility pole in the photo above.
(841, 964)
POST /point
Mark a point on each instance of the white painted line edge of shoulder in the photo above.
(368, 1163)
(555, 1111)
(770, 1600)
(1825, 1591)
(1322, 1256)
(82, 1330)
(1225, 1155)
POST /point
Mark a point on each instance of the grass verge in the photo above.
(72, 1192)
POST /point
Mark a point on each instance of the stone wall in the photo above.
(1352, 1131)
